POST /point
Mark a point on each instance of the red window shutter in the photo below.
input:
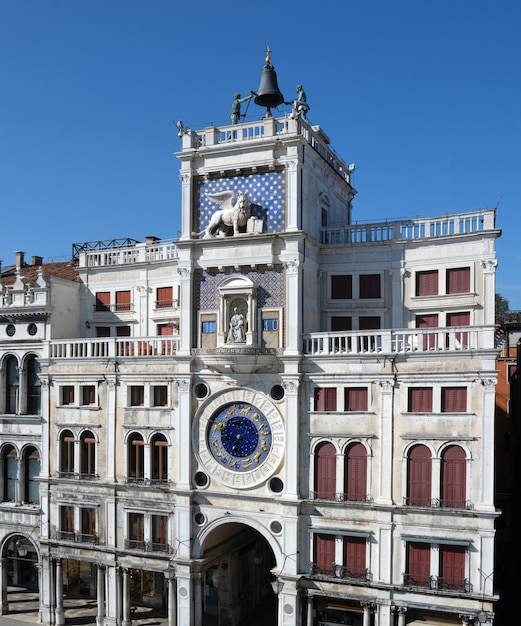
(427, 283)
(325, 472)
(355, 399)
(430, 341)
(370, 286)
(324, 548)
(458, 319)
(453, 477)
(355, 555)
(102, 331)
(454, 400)
(419, 563)
(122, 331)
(342, 287)
(452, 566)
(458, 280)
(103, 301)
(339, 323)
(164, 297)
(165, 329)
(356, 473)
(420, 400)
(325, 399)
(419, 476)
(122, 300)
(427, 321)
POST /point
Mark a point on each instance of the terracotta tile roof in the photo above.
(61, 269)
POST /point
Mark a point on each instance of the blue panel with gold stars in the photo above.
(266, 192)
(239, 436)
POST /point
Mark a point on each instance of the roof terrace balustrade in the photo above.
(407, 230)
(114, 347)
(406, 341)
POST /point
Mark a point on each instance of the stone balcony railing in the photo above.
(413, 341)
(116, 347)
(420, 228)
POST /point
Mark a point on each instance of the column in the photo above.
(171, 581)
(402, 610)
(20, 495)
(126, 598)
(100, 591)
(4, 605)
(487, 444)
(387, 446)
(60, 612)
(291, 386)
(186, 201)
(293, 316)
(309, 616)
(184, 595)
(367, 606)
(184, 431)
(112, 599)
(185, 312)
(198, 599)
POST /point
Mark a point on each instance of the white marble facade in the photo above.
(210, 411)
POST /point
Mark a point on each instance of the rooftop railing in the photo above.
(138, 253)
(420, 228)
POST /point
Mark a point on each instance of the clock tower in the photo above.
(256, 197)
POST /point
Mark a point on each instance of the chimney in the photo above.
(19, 260)
(36, 260)
(150, 239)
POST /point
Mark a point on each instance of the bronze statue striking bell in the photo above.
(268, 94)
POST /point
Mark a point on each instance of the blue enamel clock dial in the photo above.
(239, 436)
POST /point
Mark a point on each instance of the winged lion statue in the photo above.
(234, 211)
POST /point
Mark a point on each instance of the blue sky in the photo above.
(422, 95)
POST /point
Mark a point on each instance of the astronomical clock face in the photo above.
(240, 438)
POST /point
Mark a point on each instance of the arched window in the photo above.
(87, 454)
(419, 472)
(159, 458)
(325, 472)
(12, 385)
(453, 478)
(32, 471)
(136, 457)
(355, 480)
(66, 453)
(33, 386)
(10, 474)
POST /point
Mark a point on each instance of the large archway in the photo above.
(20, 584)
(236, 564)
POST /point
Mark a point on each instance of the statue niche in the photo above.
(234, 213)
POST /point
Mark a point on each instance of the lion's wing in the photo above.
(223, 198)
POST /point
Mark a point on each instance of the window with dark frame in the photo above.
(137, 395)
(159, 458)
(67, 452)
(160, 395)
(67, 395)
(342, 287)
(88, 395)
(370, 286)
(136, 457)
(88, 454)
(88, 522)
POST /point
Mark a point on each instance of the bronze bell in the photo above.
(268, 94)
